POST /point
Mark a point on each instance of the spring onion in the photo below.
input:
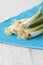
(23, 34)
(27, 27)
(36, 33)
(31, 34)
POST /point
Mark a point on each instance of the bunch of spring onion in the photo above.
(27, 27)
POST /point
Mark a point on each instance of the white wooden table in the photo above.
(14, 55)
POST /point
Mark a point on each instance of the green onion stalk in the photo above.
(33, 18)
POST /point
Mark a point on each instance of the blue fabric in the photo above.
(36, 42)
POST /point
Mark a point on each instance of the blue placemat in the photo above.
(36, 42)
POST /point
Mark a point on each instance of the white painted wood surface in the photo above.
(12, 55)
